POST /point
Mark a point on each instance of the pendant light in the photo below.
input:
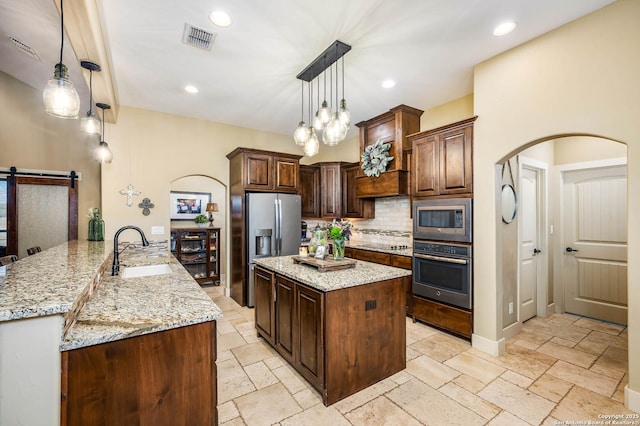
(343, 112)
(334, 132)
(90, 123)
(59, 96)
(318, 125)
(104, 153)
(302, 133)
(312, 146)
(324, 113)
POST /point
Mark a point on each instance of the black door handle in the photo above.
(569, 249)
(536, 251)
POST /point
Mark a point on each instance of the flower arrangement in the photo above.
(340, 229)
(375, 159)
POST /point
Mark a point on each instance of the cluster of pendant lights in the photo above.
(333, 125)
(61, 99)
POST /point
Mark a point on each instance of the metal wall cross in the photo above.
(145, 205)
(129, 192)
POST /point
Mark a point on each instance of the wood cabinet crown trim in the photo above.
(241, 150)
(440, 129)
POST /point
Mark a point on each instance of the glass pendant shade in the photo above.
(344, 114)
(90, 124)
(301, 134)
(59, 96)
(334, 132)
(312, 146)
(318, 125)
(104, 153)
(324, 113)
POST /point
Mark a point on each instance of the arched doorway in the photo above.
(554, 157)
(217, 192)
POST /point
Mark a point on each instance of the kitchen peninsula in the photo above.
(341, 330)
(115, 348)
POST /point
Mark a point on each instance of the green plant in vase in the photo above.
(339, 232)
(201, 220)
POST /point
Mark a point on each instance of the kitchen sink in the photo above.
(145, 271)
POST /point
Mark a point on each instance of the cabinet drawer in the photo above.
(403, 262)
(372, 256)
(455, 320)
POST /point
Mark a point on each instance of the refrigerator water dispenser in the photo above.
(263, 242)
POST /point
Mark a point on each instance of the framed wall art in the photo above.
(188, 205)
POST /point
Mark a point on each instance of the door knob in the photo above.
(569, 249)
(536, 251)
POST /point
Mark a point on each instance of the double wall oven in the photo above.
(442, 252)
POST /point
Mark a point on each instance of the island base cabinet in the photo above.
(340, 341)
(164, 378)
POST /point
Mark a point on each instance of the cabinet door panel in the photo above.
(310, 191)
(286, 174)
(425, 166)
(330, 176)
(284, 317)
(310, 334)
(259, 172)
(372, 256)
(264, 309)
(455, 161)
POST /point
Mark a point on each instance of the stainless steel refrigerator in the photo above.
(272, 229)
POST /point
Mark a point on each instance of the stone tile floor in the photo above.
(560, 368)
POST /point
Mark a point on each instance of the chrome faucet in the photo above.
(116, 262)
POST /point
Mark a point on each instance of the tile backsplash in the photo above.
(392, 225)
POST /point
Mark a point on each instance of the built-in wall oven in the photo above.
(443, 272)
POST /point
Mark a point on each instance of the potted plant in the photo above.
(201, 220)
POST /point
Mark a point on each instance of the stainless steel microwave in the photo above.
(445, 219)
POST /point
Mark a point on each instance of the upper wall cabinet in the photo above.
(443, 160)
(257, 170)
(391, 127)
(328, 191)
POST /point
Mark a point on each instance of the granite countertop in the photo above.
(123, 308)
(49, 282)
(74, 279)
(363, 273)
(383, 248)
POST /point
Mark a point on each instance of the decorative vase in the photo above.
(96, 226)
(338, 249)
(202, 225)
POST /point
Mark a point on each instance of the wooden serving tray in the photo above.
(327, 264)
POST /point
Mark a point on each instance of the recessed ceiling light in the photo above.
(388, 84)
(504, 28)
(191, 89)
(220, 18)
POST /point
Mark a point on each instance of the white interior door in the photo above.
(529, 206)
(595, 241)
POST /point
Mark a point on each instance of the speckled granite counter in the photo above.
(58, 281)
(383, 248)
(363, 273)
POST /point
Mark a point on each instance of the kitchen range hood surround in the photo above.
(390, 127)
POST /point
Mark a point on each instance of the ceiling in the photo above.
(248, 78)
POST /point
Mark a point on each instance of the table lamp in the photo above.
(211, 207)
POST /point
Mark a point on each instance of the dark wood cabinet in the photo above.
(256, 170)
(398, 261)
(310, 191)
(198, 251)
(449, 318)
(391, 127)
(264, 294)
(284, 314)
(309, 325)
(163, 378)
(352, 206)
(332, 339)
(333, 196)
(443, 160)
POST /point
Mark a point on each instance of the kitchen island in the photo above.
(116, 349)
(341, 330)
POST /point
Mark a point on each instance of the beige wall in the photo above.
(581, 78)
(580, 149)
(31, 139)
(453, 111)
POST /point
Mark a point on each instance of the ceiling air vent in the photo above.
(197, 37)
(25, 48)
